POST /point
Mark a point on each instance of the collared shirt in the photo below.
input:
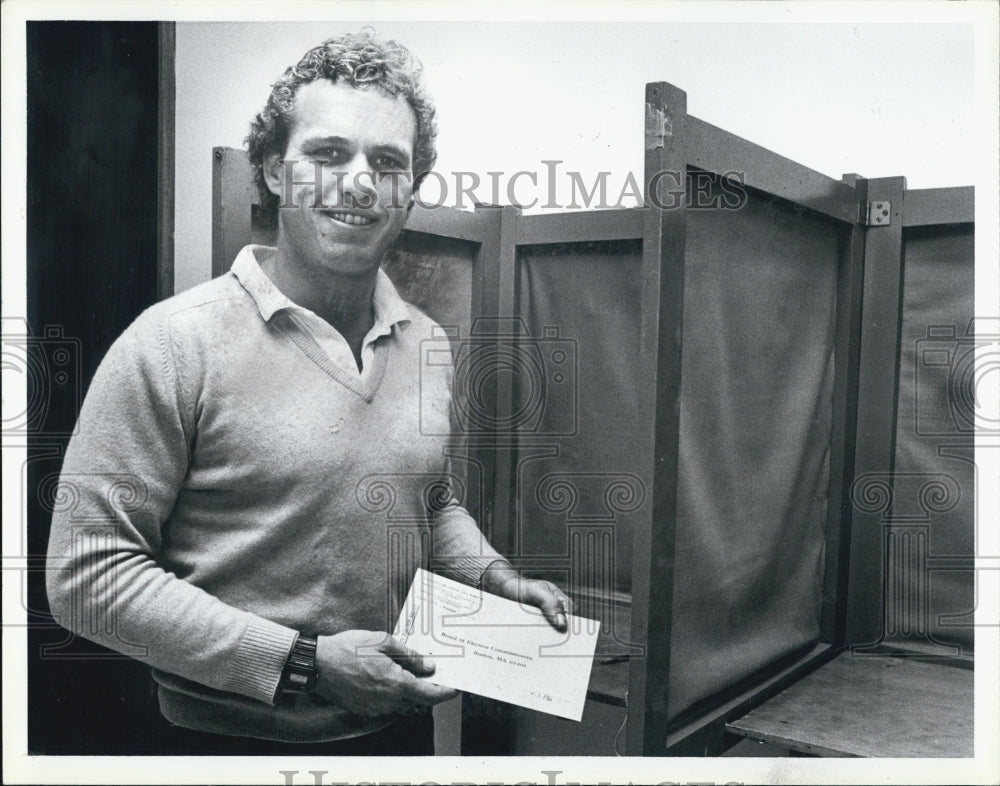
(389, 308)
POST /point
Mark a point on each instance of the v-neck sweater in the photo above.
(229, 486)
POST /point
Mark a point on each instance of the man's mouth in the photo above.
(352, 219)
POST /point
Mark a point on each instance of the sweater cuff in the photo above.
(260, 660)
(469, 570)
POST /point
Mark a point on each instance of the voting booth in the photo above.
(735, 424)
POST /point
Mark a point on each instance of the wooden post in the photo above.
(485, 306)
(876, 423)
(233, 193)
(504, 494)
(844, 428)
(658, 376)
(486, 725)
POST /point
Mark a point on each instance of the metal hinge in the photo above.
(878, 214)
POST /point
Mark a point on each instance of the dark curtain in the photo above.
(756, 410)
(930, 593)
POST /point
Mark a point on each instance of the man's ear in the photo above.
(274, 173)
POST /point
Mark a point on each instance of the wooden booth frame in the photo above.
(872, 215)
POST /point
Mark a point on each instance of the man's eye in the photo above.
(328, 156)
(387, 163)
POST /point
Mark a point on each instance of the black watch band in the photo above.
(300, 673)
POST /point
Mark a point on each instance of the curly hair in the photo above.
(358, 59)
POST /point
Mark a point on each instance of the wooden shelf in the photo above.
(870, 706)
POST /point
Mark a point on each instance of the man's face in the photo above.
(365, 138)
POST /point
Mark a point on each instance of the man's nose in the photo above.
(359, 183)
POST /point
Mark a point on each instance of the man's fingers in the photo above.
(419, 691)
(553, 603)
(411, 661)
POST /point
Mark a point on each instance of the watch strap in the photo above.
(300, 672)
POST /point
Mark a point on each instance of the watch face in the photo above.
(297, 682)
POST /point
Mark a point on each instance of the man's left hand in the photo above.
(501, 579)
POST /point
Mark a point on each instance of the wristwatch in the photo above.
(300, 673)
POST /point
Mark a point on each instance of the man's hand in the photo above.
(501, 579)
(370, 673)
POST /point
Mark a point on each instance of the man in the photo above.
(242, 437)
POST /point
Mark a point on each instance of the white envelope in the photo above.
(497, 648)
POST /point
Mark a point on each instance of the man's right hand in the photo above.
(370, 673)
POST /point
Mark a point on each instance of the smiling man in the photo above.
(236, 436)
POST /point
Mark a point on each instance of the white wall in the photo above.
(877, 99)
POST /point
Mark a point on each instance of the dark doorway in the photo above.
(93, 162)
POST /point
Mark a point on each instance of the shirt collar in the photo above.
(390, 308)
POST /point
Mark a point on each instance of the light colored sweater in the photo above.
(230, 485)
